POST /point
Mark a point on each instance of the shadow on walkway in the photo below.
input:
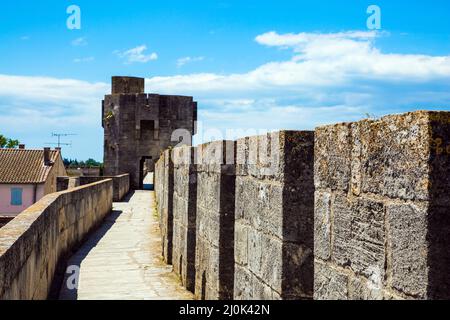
(128, 197)
(69, 285)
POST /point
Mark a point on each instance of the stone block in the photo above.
(322, 225)
(358, 231)
(408, 248)
(332, 153)
(365, 289)
(394, 156)
(329, 284)
(127, 85)
(383, 185)
(298, 272)
(241, 243)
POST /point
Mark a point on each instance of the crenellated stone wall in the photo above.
(274, 216)
(121, 184)
(381, 213)
(184, 214)
(214, 256)
(164, 201)
(34, 246)
(350, 211)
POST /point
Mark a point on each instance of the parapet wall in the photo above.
(121, 184)
(381, 218)
(274, 217)
(184, 214)
(36, 243)
(214, 256)
(350, 211)
(164, 201)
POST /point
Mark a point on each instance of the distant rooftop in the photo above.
(23, 166)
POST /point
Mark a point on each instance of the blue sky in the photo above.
(261, 65)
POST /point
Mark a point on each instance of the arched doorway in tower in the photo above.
(146, 174)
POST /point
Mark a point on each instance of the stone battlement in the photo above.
(138, 126)
(34, 246)
(127, 85)
(349, 211)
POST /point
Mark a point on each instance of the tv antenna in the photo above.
(59, 143)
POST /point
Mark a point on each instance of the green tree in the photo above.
(8, 143)
(74, 163)
(3, 141)
(92, 163)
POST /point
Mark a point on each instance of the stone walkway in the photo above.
(122, 260)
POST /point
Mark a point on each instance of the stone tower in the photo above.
(139, 126)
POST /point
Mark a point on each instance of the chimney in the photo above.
(47, 161)
(21, 146)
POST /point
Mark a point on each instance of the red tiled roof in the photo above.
(24, 166)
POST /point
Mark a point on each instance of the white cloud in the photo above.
(137, 55)
(25, 38)
(32, 107)
(79, 42)
(294, 40)
(328, 78)
(185, 60)
(86, 59)
(318, 61)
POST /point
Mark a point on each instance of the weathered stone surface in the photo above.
(121, 184)
(214, 260)
(382, 190)
(274, 216)
(358, 231)
(35, 244)
(322, 225)
(332, 157)
(365, 289)
(184, 214)
(394, 157)
(127, 85)
(329, 284)
(164, 199)
(408, 248)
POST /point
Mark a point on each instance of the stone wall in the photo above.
(138, 127)
(121, 184)
(5, 220)
(62, 183)
(381, 212)
(352, 211)
(274, 216)
(164, 200)
(36, 243)
(184, 214)
(66, 183)
(214, 258)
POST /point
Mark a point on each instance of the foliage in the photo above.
(74, 163)
(8, 143)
